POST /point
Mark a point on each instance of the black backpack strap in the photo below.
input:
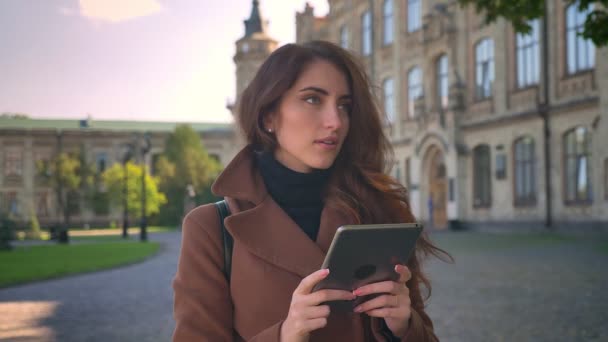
(223, 212)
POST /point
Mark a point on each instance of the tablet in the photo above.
(365, 254)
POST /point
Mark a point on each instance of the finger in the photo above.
(404, 273)
(308, 283)
(384, 301)
(385, 313)
(314, 312)
(328, 295)
(314, 324)
(381, 287)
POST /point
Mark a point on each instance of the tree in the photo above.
(185, 163)
(520, 12)
(113, 179)
(9, 115)
(68, 174)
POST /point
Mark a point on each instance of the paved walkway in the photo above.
(502, 289)
(499, 289)
(132, 303)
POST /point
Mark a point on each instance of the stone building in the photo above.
(490, 128)
(24, 142)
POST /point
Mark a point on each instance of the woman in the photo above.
(315, 161)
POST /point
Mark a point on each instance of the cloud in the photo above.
(118, 10)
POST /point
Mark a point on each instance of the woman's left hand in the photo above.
(393, 305)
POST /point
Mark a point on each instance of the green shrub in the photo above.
(7, 232)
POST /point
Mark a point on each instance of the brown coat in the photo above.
(271, 256)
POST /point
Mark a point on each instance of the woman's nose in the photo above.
(332, 117)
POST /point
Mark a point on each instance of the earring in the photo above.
(270, 130)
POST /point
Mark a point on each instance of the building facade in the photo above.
(490, 128)
(26, 142)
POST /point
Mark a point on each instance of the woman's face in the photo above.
(311, 121)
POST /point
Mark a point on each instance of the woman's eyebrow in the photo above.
(324, 92)
(315, 89)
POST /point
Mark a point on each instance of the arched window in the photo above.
(388, 89)
(414, 15)
(528, 56)
(442, 80)
(366, 33)
(414, 89)
(484, 68)
(344, 37)
(580, 51)
(387, 33)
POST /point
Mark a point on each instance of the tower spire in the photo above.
(255, 23)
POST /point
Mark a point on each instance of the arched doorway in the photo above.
(438, 184)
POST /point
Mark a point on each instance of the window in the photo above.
(13, 162)
(414, 22)
(606, 179)
(387, 33)
(344, 37)
(525, 176)
(482, 191)
(484, 70)
(11, 203)
(398, 174)
(366, 33)
(42, 203)
(408, 179)
(389, 100)
(577, 160)
(414, 89)
(101, 161)
(442, 81)
(528, 56)
(501, 166)
(580, 51)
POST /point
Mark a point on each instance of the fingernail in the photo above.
(357, 292)
(357, 309)
(325, 271)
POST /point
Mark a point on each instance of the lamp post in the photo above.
(145, 148)
(127, 155)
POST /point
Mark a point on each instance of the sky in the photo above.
(152, 60)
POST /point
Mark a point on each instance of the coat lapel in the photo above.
(260, 225)
(269, 233)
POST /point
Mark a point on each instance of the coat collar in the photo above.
(263, 228)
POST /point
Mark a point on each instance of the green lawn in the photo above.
(25, 264)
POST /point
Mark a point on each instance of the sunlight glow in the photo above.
(118, 10)
(22, 320)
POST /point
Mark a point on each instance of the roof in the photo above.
(105, 125)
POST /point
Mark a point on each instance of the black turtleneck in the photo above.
(298, 194)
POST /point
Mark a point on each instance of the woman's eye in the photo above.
(313, 100)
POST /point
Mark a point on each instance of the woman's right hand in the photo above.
(305, 312)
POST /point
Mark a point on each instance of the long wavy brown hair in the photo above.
(359, 184)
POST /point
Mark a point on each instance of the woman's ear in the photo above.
(268, 122)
